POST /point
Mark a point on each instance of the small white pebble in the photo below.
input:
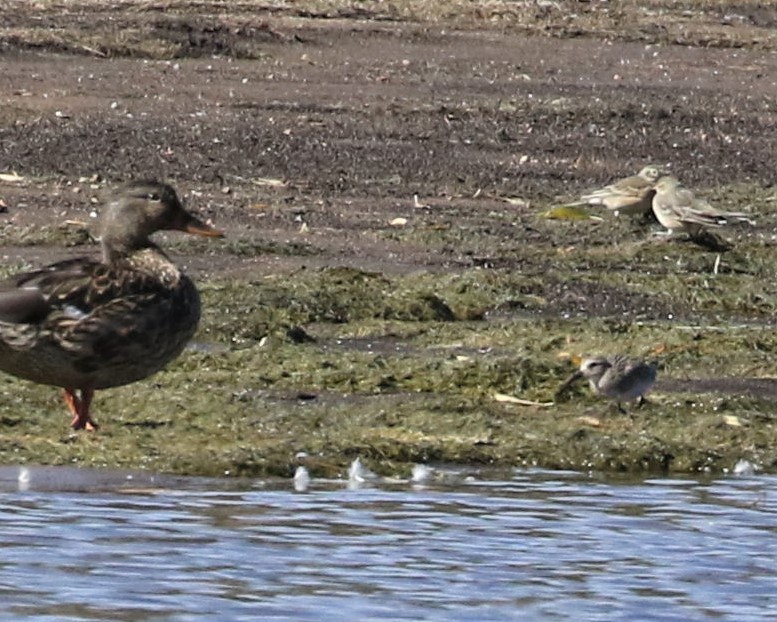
(421, 473)
(301, 479)
(358, 473)
(744, 467)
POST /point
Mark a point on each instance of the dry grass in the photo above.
(163, 30)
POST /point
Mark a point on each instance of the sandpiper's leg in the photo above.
(79, 408)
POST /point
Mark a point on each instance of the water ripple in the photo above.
(537, 545)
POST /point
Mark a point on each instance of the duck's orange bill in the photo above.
(196, 227)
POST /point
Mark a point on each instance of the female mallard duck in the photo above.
(84, 324)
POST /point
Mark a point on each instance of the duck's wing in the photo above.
(29, 297)
(74, 287)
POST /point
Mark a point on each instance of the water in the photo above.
(532, 545)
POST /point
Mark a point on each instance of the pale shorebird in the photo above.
(630, 195)
(621, 378)
(678, 209)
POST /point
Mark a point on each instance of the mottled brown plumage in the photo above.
(85, 324)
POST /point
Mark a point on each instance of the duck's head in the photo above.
(138, 209)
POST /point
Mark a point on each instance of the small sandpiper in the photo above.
(621, 378)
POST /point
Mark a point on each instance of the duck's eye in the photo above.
(153, 196)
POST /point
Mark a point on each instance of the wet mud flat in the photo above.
(390, 286)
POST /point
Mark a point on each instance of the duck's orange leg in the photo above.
(79, 408)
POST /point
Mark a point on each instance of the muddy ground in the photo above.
(383, 172)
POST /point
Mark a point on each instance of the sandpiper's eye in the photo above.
(152, 196)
